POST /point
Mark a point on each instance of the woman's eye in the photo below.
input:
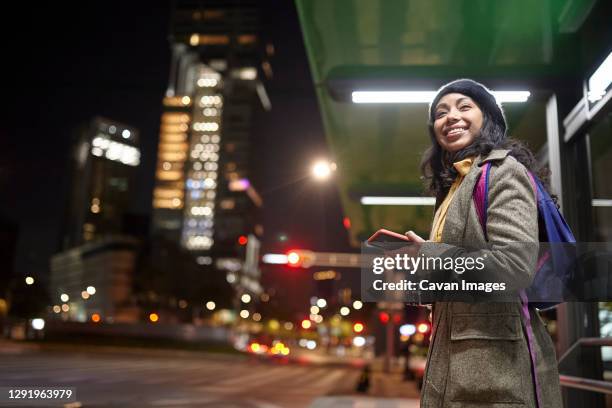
(465, 107)
(440, 114)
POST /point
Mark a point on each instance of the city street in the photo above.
(126, 378)
(260, 204)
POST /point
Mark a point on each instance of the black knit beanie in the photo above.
(478, 92)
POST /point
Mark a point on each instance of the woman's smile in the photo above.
(458, 121)
(455, 133)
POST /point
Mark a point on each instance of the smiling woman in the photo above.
(483, 354)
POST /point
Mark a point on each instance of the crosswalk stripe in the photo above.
(251, 377)
(330, 378)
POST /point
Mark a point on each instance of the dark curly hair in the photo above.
(437, 165)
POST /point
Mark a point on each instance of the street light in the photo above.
(38, 324)
(359, 341)
(407, 329)
(29, 280)
(322, 169)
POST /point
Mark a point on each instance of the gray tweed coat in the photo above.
(478, 355)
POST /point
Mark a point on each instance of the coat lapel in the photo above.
(458, 210)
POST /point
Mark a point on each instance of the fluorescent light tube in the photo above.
(427, 96)
(600, 80)
(601, 202)
(373, 200)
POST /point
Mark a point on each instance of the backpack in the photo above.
(553, 269)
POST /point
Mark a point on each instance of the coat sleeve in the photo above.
(512, 231)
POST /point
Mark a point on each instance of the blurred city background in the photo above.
(186, 185)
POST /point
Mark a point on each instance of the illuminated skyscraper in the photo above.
(97, 255)
(204, 196)
(104, 161)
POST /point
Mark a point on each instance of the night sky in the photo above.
(67, 64)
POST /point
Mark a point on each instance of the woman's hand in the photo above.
(411, 249)
(414, 237)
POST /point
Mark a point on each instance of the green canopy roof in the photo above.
(420, 45)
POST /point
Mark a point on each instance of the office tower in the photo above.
(204, 197)
(104, 160)
(92, 277)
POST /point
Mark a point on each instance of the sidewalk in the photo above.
(387, 390)
(392, 384)
(363, 402)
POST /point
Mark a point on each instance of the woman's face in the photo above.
(457, 121)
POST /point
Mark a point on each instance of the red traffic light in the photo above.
(293, 258)
(383, 317)
(346, 221)
(301, 258)
(242, 240)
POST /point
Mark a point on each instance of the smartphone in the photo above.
(382, 238)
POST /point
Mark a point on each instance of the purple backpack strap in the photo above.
(531, 346)
(534, 185)
(481, 201)
(527, 317)
(481, 196)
